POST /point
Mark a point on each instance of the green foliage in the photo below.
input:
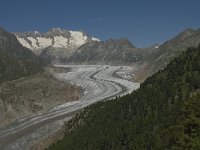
(163, 114)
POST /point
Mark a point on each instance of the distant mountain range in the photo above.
(25, 55)
(76, 47)
(114, 52)
(55, 44)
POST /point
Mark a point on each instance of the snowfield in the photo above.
(59, 38)
(98, 82)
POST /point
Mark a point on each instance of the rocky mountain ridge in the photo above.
(15, 60)
(111, 52)
(55, 38)
(173, 47)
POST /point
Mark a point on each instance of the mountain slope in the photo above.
(114, 52)
(32, 95)
(159, 56)
(122, 52)
(64, 46)
(56, 43)
(174, 47)
(25, 87)
(162, 114)
(15, 60)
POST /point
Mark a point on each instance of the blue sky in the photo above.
(143, 22)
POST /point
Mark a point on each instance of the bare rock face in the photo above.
(32, 95)
(15, 60)
(113, 52)
(72, 47)
(54, 44)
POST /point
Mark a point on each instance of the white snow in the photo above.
(104, 85)
(60, 42)
(126, 72)
(77, 38)
(96, 80)
(33, 42)
(95, 39)
(36, 32)
(24, 42)
(40, 42)
(44, 42)
(36, 44)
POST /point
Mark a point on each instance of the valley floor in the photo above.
(98, 82)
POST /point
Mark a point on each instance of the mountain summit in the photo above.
(75, 47)
(55, 38)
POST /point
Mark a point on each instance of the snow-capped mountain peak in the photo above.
(36, 32)
(56, 38)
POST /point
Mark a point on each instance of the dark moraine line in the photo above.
(9, 137)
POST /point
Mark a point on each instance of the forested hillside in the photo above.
(163, 114)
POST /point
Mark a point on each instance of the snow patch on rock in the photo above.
(58, 39)
(44, 42)
(60, 42)
(24, 42)
(95, 39)
(77, 38)
(33, 42)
